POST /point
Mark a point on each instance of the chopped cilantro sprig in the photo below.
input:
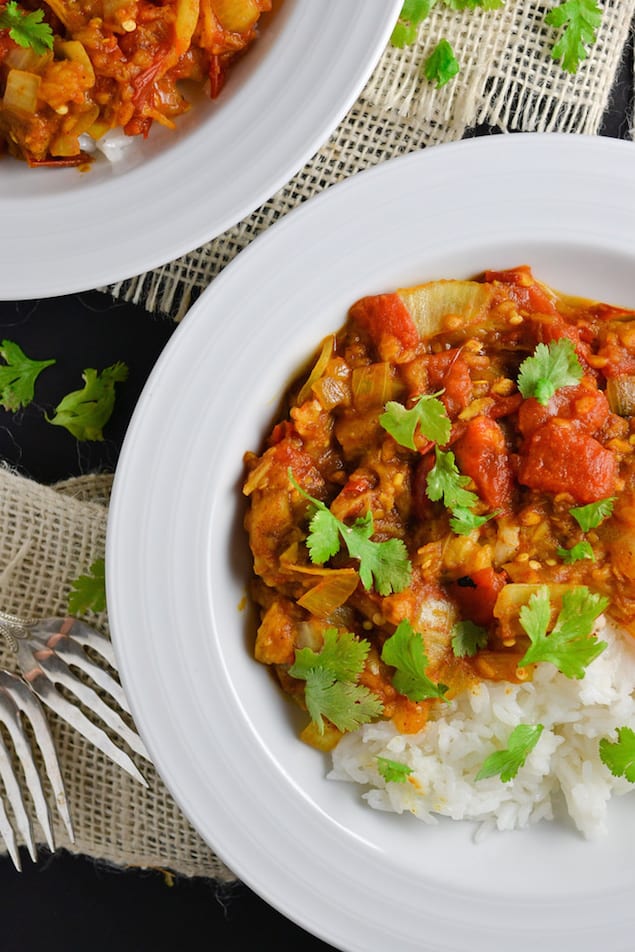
(331, 690)
(18, 376)
(384, 565)
(88, 592)
(571, 645)
(550, 367)
(441, 65)
(579, 21)
(507, 762)
(590, 516)
(393, 771)
(405, 651)
(27, 29)
(428, 413)
(85, 412)
(467, 639)
(619, 755)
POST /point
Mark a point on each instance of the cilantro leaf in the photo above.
(579, 21)
(507, 762)
(88, 592)
(445, 482)
(342, 655)
(85, 412)
(392, 770)
(570, 646)
(551, 367)
(583, 550)
(18, 375)
(467, 638)
(428, 413)
(405, 651)
(330, 677)
(463, 520)
(441, 65)
(413, 12)
(591, 515)
(619, 755)
(27, 29)
(383, 564)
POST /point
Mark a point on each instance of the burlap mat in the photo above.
(49, 537)
(508, 80)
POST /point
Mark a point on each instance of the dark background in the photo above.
(71, 903)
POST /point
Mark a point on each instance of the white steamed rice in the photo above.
(565, 763)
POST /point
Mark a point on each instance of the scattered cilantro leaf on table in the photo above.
(88, 592)
(27, 29)
(413, 12)
(549, 368)
(619, 755)
(85, 412)
(508, 762)
(383, 564)
(441, 65)
(393, 771)
(331, 688)
(570, 645)
(405, 651)
(579, 21)
(467, 638)
(591, 515)
(474, 4)
(18, 376)
(583, 550)
(428, 413)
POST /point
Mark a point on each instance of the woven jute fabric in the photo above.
(50, 536)
(508, 81)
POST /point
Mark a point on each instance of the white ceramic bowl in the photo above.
(219, 732)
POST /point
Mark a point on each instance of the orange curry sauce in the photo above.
(529, 463)
(114, 64)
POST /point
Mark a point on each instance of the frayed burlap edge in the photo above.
(50, 536)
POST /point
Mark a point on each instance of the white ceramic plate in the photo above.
(219, 732)
(68, 231)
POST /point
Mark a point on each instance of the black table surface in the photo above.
(70, 903)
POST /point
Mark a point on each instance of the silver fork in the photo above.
(46, 651)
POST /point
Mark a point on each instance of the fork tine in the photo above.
(10, 781)
(87, 637)
(26, 702)
(59, 673)
(47, 692)
(73, 654)
(8, 835)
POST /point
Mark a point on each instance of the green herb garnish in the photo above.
(382, 564)
(331, 688)
(392, 770)
(570, 645)
(467, 639)
(428, 413)
(27, 29)
(405, 651)
(507, 762)
(579, 21)
(551, 367)
(591, 515)
(88, 592)
(441, 65)
(619, 755)
(583, 550)
(18, 376)
(85, 412)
